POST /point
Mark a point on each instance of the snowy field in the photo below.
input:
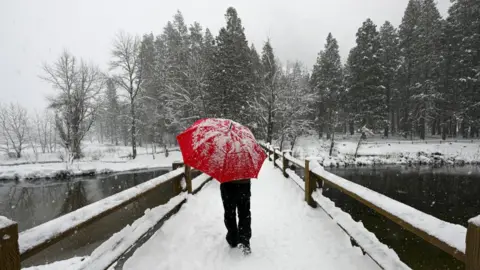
(378, 151)
(99, 159)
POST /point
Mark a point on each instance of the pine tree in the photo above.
(463, 25)
(178, 94)
(294, 98)
(209, 51)
(408, 75)
(366, 91)
(197, 64)
(270, 86)
(327, 84)
(349, 105)
(258, 87)
(389, 56)
(230, 81)
(428, 66)
(146, 102)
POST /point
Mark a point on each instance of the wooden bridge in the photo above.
(294, 226)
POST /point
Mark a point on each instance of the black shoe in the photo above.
(245, 249)
(232, 243)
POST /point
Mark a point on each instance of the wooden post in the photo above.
(188, 178)
(308, 185)
(275, 156)
(284, 164)
(473, 245)
(9, 252)
(177, 186)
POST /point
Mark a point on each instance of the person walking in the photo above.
(236, 196)
(228, 152)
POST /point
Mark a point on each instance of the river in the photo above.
(448, 193)
(32, 203)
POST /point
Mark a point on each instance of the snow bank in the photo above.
(475, 221)
(63, 170)
(48, 230)
(388, 152)
(110, 250)
(60, 265)
(452, 234)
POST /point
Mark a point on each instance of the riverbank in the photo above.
(380, 152)
(64, 170)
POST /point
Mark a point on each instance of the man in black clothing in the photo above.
(236, 195)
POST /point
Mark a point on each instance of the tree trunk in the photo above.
(422, 128)
(269, 127)
(133, 129)
(434, 127)
(385, 132)
(351, 128)
(463, 132)
(392, 123)
(332, 144)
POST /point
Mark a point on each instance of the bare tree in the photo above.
(13, 121)
(127, 63)
(43, 129)
(75, 103)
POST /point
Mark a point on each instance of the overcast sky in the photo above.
(36, 31)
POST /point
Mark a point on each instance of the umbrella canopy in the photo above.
(221, 148)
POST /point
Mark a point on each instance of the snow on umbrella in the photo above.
(221, 148)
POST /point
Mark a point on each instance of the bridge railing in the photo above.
(458, 241)
(18, 247)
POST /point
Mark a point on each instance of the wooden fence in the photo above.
(16, 248)
(468, 253)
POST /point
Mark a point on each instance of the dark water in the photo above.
(450, 193)
(35, 202)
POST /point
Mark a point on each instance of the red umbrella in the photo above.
(221, 148)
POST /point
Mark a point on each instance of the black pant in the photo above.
(236, 195)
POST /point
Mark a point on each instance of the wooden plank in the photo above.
(419, 232)
(473, 245)
(284, 164)
(274, 157)
(9, 252)
(188, 178)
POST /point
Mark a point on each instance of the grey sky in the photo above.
(35, 31)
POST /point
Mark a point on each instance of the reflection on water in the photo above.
(451, 194)
(33, 203)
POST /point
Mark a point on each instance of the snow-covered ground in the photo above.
(91, 152)
(388, 152)
(98, 160)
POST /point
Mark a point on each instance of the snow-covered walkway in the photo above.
(287, 234)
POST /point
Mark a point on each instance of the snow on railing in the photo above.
(9, 256)
(38, 238)
(451, 238)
